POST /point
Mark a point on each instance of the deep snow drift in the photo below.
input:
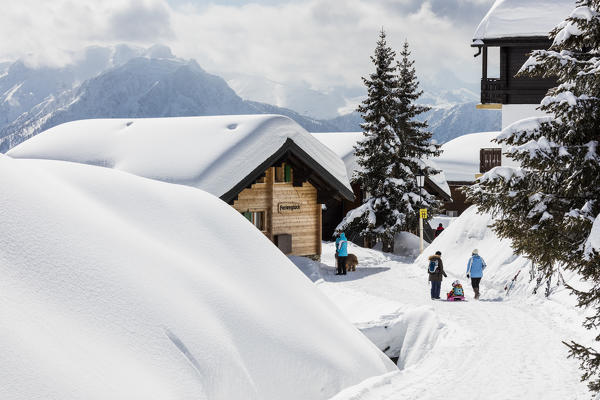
(114, 286)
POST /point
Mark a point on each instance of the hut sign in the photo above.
(288, 207)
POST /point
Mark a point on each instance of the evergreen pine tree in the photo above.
(547, 207)
(391, 151)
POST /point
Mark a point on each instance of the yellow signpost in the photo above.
(422, 215)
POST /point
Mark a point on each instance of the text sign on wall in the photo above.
(288, 207)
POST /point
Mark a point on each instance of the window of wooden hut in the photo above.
(283, 174)
(257, 218)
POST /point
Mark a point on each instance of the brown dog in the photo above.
(351, 262)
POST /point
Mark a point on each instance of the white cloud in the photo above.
(322, 42)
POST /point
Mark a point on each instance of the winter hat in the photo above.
(439, 253)
(475, 251)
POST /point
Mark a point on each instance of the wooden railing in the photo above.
(493, 90)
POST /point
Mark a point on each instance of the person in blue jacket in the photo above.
(341, 249)
(475, 268)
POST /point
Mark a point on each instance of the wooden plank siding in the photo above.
(304, 224)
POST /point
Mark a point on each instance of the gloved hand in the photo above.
(468, 276)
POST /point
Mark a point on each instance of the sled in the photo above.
(456, 298)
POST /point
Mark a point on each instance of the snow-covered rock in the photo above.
(114, 286)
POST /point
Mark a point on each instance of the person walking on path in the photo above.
(475, 268)
(341, 248)
(438, 230)
(436, 274)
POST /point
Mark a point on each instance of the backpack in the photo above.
(433, 266)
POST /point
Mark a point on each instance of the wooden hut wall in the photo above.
(289, 210)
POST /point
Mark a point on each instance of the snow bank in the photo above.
(514, 18)
(406, 244)
(211, 153)
(471, 231)
(119, 287)
(405, 332)
(440, 219)
(593, 242)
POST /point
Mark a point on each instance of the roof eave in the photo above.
(288, 147)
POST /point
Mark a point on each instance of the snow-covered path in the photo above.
(495, 348)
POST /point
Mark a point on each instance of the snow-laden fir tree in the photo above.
(547, 207)
(390, 154)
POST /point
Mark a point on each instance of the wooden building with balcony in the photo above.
(504, 39)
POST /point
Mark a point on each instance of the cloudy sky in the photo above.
(324, 43)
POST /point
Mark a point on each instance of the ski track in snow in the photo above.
(495, 348)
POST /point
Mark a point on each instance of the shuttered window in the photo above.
(257, 218)
(283, 173)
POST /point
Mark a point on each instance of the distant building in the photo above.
(507, 34)
(463, 160)
(265, 166)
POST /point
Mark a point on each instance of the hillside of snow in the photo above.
(114, 286)
(505, 346)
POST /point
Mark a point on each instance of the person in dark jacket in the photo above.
(438, 230)
(436, 277)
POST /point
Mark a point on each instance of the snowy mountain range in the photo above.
(125, 81)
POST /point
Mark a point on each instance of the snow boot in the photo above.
(476, 294)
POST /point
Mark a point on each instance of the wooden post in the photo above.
(269, 179)
(421, 233)
(484, 64)
(320, 229)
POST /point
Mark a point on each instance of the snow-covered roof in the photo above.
(343, 144)
(460, 156)
(120, 287)
(216, 154)
(522, 18)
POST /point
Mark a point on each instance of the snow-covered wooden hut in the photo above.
(507, 34)
(266, 166)
(343, 144)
